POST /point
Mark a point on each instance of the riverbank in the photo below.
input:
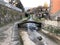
(52, 36)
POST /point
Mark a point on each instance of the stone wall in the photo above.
(8, 15)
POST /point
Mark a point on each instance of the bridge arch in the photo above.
(39, 24)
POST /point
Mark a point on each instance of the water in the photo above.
(32, 31)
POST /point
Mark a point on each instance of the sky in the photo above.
(6, 0)
(33, 3)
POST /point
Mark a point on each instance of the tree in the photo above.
(19, 5)
(45, 4)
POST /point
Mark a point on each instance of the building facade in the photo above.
(55, 6)
(55, 10)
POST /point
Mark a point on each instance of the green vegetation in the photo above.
(38, 20)
(53, 29)
(50, 28)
